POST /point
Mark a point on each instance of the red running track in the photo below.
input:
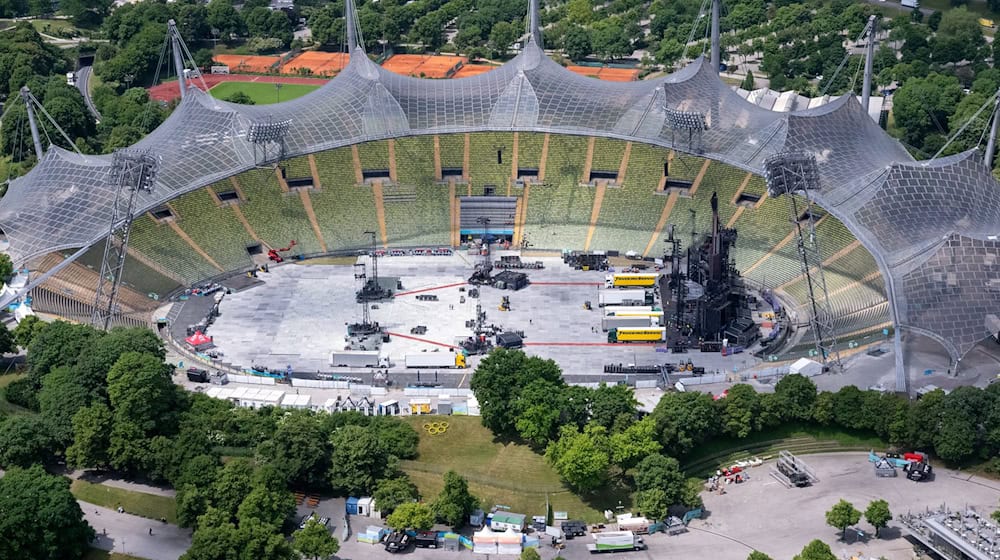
(169, 91)
(591, 343)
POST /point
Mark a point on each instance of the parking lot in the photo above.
(762, 514)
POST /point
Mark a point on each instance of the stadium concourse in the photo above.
(588, 164)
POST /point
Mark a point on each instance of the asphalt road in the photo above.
(83, 84)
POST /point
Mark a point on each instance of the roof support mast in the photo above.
(716, 58)
(175, 43)
(866, 88)
(26, 96)
(991, 143)
(535, 23)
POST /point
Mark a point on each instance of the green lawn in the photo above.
(95, 554)
(797, 438)
(136, 503)
(6, 407)
(498, 473)
(261, 93)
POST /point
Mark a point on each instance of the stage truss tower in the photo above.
(132, 172)
(791, 173)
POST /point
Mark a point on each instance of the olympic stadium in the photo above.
(908, 247)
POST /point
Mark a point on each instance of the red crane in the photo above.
(275, 254)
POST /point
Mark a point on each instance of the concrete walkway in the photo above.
(130, 534)
(123, 484)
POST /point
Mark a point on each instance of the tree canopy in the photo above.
(314, 541)
(41, 519)
(842, 515)
(877, 513)
(454, 504)
(411, 515)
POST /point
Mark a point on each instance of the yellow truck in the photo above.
(631, 279)
(987, 23)
(637, 334)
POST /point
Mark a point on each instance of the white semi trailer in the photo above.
(622, 297)
(357, 358)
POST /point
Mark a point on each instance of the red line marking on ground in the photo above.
(591, 343)
(411, 292)
(567, 283)
(418, 339)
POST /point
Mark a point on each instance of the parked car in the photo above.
(396, 542)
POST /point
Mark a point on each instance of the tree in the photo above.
(392, 492)
(502, 36)
(577, 43)
(411, 516)
(530, 554)
(842, 515)
(740, 411)
(41, 518)
(94, 364)
(610, 40)
(27, 329)
(315, 541)
(233, 485)
(60, 398)
(749, 84)
(358, 461)
(499, 379)
(299, 448)
(609, 404)
(144, 403)
(223, 16)
(922, 104)
(269, 506)
(91, 430)
(653, 503)
(816, 550)
(222, 541)
(454, 504)
(657, 472)
(758, 555)
(796, 395)
(6, 268)
(24, 441)
(878, 514)
(634, 444)
(580, 459)
(685, 420)
(192, 503)
(58, 344)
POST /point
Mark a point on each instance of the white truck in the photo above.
(357, 358)
(613, 322)
(435, 360)
(615, 541)
(621, 297)
(910, 3)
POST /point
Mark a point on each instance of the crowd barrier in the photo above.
(436, 392)
(704, 379)
(320, 383)
(646, 383)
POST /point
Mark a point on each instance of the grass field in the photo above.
(136, 503)
(498, 473)
(261, 93)
(95, 554)
(6, 407)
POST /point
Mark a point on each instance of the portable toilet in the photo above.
(366, 507)
(420, 406)
(352, 506)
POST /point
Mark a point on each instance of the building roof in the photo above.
(916, 218)
(508, 517)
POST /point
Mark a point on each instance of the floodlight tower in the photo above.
(869, 62)
(32, 123)
(792, 173)
(268, 139)
(693, 122)
(132, 171)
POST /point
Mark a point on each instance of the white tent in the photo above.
(806, 367)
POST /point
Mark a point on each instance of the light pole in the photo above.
(277, 92)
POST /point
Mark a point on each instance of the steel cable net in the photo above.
(908, 214)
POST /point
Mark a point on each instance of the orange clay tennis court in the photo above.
(424, 66)
(606, 74)
(470, 70)
(317, 63)
(238, 63)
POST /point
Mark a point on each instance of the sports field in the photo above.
(261, 93)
